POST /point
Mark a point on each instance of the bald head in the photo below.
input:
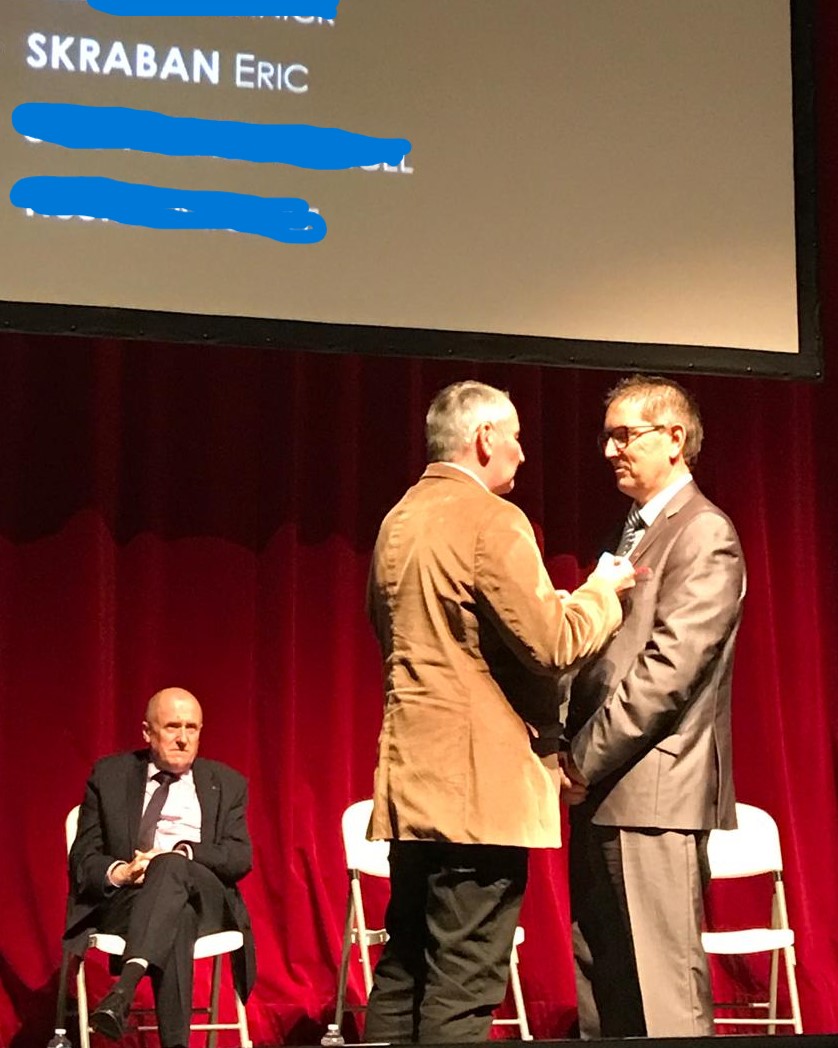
(172, 729)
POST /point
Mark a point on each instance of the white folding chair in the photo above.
(215, 945)
(371, 858)
(751, 849)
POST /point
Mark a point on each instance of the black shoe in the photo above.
(109, 1018)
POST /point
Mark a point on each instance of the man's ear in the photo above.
(678, 436)
(146, 732)
(484, 442)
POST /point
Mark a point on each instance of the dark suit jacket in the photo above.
(650, 717)
(108, 824)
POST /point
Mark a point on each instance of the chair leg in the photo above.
(241, 1014)
(794, 999)
(215, 993)
(345, 950)
(363, 940)
(61, 999)
(518, 996)
(772, 991)
(84, 1018)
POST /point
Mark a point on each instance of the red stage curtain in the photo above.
(205, 517)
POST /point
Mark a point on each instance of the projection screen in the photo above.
(606, 183)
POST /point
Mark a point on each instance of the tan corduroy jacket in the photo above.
(471, 630)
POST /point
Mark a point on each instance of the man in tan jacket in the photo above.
(471, 629)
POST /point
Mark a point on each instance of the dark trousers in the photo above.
(451, 920)
(160, 920)
(636, 906)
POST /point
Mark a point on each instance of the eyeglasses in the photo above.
(622, 436)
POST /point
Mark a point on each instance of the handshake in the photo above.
(573, 788)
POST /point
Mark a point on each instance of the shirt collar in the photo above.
(152, 770)
(655, 506)
(467, 471)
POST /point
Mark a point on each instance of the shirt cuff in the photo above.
(109, 873)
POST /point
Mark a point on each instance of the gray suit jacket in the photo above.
(649, 718)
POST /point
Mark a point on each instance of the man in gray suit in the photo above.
(649, 733)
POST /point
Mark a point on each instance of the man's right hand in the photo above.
(133, 872)
(618, 571)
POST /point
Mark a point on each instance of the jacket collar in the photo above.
(209, 795)
(446, 471)
(135, 787)
(656, 529)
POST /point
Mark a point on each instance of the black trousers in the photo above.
(451, 921)
(160, 920)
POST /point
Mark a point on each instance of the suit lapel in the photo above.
(135, 796)
(209, 797)
(653, 533)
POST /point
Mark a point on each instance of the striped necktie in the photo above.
(632, 531)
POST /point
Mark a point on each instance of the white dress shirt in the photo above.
(180, 819)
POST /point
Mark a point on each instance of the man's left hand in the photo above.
(573, 789)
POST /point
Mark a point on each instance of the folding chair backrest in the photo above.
(71, 826)
(370, 857)
(752, 848)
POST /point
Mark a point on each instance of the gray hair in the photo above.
(663, 398)
(456, 412)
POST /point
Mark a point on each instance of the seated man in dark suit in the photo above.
(162, 842)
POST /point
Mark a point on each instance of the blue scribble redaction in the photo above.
(108, 127)
(218, 8)
(286, 219)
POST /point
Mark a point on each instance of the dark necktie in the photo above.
(633, 527)
(151, 816)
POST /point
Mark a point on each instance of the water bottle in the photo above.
(332, 1038)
